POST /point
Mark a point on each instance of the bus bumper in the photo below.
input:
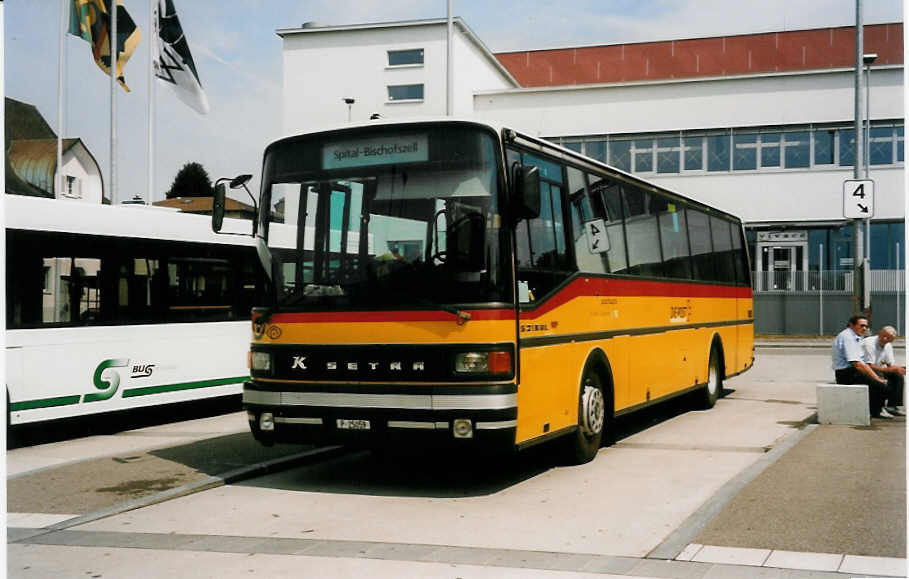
(460, 416)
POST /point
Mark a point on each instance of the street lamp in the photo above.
(350, 103)
(867, 60)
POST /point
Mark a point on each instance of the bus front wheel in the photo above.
(592, 418)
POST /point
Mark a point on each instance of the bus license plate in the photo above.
(345, 424)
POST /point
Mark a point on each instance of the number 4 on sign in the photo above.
(858, 199)
(597, 238)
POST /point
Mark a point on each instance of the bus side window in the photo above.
(642, 229)
(673, 238)
(542, 252)
(600, 232)
(742, 273)
(701, 246)
(722, 246)
(199, 289)
(71, 295)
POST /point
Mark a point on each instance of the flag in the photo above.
(90, 20)
(173, 61)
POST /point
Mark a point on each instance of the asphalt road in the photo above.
(772, 478)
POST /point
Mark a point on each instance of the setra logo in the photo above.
(106, 379)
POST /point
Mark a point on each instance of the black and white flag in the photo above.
(173, 61)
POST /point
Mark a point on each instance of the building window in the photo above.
(596, 150)
(573, 145)
(797, 149)
(620, 154)
(880, 146)
(846, 138)
(899, 144)
(694, 153)
(412, 57)
(718, 153)
(668, 151)
(405, 92)
(745, 156)
(770, 149)
(73, 187)
(643, 155)
(823, 146)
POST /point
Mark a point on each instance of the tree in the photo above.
(191, 181)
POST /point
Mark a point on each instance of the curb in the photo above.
(676, 542)
(214, 481)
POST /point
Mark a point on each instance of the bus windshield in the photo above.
(368, 219)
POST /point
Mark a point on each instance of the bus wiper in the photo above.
(463, 317)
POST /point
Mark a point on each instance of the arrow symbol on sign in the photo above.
(862, 208)
(596, 243)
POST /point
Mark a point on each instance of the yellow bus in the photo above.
(455, 283)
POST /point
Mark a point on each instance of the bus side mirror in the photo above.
(526, 193)
(217, 207)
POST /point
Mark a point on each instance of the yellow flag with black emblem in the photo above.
(90, 20)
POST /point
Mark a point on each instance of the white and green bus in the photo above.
(111, 308)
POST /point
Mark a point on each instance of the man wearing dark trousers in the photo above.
(849, 367)
(879, 356)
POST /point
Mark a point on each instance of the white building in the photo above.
(759, 125)
(395, 69)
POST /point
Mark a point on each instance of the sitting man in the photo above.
(879, 356)
(849, 367)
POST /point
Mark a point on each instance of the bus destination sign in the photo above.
(375, 151)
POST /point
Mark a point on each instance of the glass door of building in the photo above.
(782, 266)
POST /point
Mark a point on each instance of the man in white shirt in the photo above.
(878, 354)
(850, 368)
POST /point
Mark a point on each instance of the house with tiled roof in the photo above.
(30, 147)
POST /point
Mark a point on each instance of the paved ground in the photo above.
(848, 482)
(743, 490)
(96, 483)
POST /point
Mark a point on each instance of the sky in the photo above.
(238, 57)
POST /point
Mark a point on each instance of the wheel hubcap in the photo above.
(713, 378)
(592, 411)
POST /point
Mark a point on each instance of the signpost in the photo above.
(858, 198)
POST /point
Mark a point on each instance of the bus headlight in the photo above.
(267, 421)
(260, 361)
(494, 363)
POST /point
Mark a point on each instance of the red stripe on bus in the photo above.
(585, 287)
(387, 316)
(580, 287)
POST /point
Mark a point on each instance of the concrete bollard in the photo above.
(843, 404)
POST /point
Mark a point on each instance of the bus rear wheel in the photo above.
(592, 418)
(711, 391)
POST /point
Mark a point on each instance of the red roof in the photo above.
(704, 57)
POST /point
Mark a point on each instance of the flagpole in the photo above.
(152, 38)
(114, 57)
(58, 176)
(449, 88)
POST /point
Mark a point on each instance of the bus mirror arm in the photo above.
(219, 201)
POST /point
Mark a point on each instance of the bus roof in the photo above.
(128, 221)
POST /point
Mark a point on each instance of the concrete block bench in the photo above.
(843, 404)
